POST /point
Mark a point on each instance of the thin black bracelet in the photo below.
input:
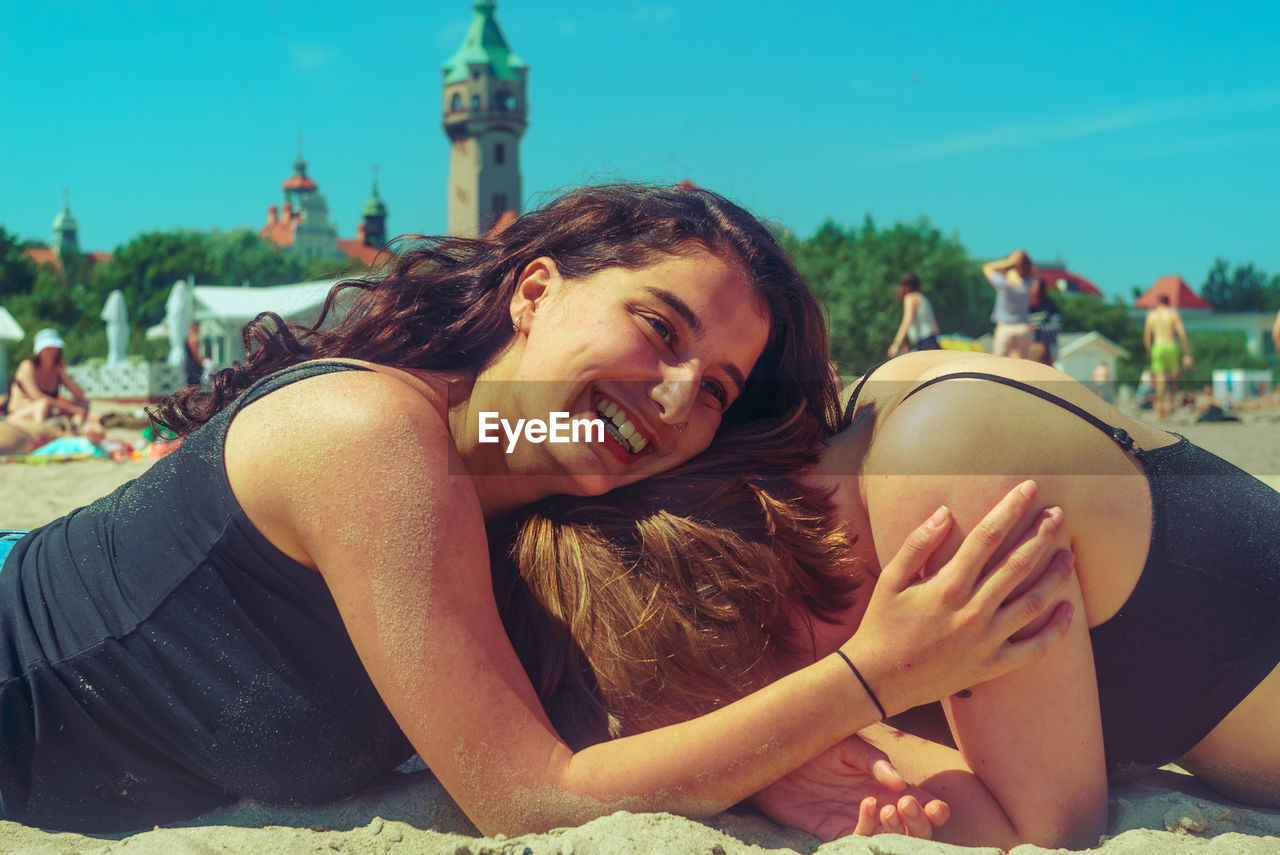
(863, 681)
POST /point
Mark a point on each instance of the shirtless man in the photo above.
(36, 394)
(1161, 334)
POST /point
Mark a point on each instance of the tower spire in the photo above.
(65, 227)
(375, 217)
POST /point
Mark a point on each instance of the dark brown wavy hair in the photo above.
(442, 302)
(660, 601)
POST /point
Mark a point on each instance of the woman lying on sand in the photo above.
(300, 596)
(1178, 567)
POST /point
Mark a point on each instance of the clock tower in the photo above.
(485, 114)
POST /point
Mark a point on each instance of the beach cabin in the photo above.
(1080, 353)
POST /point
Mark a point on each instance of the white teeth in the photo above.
(623, 429)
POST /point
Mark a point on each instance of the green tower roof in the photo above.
(484, 44)
(375, 207)
(65, 220)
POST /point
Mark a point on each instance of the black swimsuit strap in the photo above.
(857, 390)
(1119, 435)
(290, 374)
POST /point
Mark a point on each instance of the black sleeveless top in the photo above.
(1202, 627)
(159, 657)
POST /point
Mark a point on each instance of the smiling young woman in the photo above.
(300, 596)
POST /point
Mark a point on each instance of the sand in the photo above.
(1165, 812)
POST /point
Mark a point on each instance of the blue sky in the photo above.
(1131, 140)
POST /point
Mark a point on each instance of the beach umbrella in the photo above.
(179, 309)
(116, 316)
(10, 330)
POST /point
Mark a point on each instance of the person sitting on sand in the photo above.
(300, 596)
(36, 394)
(1177, 560)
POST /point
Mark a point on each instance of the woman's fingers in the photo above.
(891, 820)
(1030, 556)
(914, 819)
(987, 537)
(920, 544)
(1029, 605)
(870, 760)
(868, 818)
(938, 811)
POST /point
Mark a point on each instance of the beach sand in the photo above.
(1165, 812)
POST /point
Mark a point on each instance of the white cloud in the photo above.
(1019, 135)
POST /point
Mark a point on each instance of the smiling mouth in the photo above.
(619, 426)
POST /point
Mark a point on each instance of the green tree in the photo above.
(855, 273)
(1242, 289)
(17, 271)
(1218, 350)
(240, 255)
(146, 267)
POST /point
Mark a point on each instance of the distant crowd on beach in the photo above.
(1027, 323)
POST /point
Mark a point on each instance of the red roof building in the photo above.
(1066, 280)
(1176, 289)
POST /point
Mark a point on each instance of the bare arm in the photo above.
(910, 305)
(77, 394)
(399, 538)
(1182, 334)
(1034, 737)
(1000, 265)
(25, 379)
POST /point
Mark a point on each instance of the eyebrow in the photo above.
(691, 319)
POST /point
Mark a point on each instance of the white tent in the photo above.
(10, 330)
(223, 310)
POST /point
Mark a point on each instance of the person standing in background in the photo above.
(919, 327)
(1011, 276)
(1160, 335)
(1046, 322)
(195, 363)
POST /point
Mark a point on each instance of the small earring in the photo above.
(680, 427)
(515, 325)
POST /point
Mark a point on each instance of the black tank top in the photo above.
(159, 657)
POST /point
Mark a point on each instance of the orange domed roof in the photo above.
(298, 182)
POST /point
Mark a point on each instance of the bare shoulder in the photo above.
(979, 425)
(344, 408)
(338, 450)
(965, 442)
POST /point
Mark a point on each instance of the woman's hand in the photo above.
(851, 788)
(923, 639)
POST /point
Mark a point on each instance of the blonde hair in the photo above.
(659, 601)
